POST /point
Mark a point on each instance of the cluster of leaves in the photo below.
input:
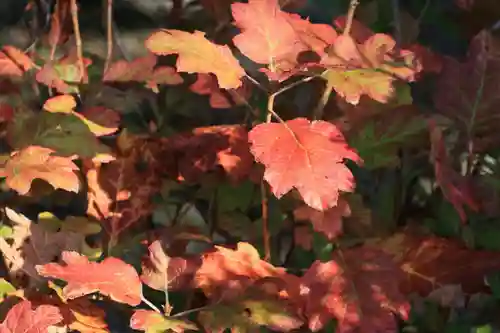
(266, 222)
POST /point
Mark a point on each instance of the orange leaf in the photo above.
(35, 162)
(111, 277)
(277, 37)
(198, 55)
(306, 156)
(22, 318)
(61, 103)
(227, 273)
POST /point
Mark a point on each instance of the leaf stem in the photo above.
(151, 305)
(350, 16)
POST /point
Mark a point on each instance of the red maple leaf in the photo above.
(111, 277)
(359, 288)
(304, 155)
(21, 318)
(277, 37)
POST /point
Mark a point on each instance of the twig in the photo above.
(265, 221)
(396, 23)
(78, 40)
(188, 312)
(318, 112)
(472, 121)
(109, 34)
(350, 16)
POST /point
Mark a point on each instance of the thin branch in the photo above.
(318, 112)
(396, 22)
(472, 121)
(109, 34)
(350, 16)
(78, 41)
(265, 222)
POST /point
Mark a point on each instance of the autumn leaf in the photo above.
(456, 188)
(304, 155)
(37, 162)
(277, 38)
(249, 314)
(359, 288)
(79, 314)
(63, 132)
(21, 318)
(13, 62)
(207, 85)
(111, 277)
(198, 55)
(328, 222)
(368, 69)
(100, 120)
(267, 39)
(227, 273)
(142, 70)
(153, 322)
(162, 272)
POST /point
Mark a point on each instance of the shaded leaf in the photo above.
(456, 188)
(100, 120)
(21, 318)
(207, 85)
(142, 70)
(306, 156)
(248, 315)
(162, 272)
(111, 277)
(153, 322)
(206, 149)
(359, 288)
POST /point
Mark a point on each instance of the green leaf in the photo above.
(379, 149)
(230, 197)
(5, 288)
(65, 133)
(484, 329)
